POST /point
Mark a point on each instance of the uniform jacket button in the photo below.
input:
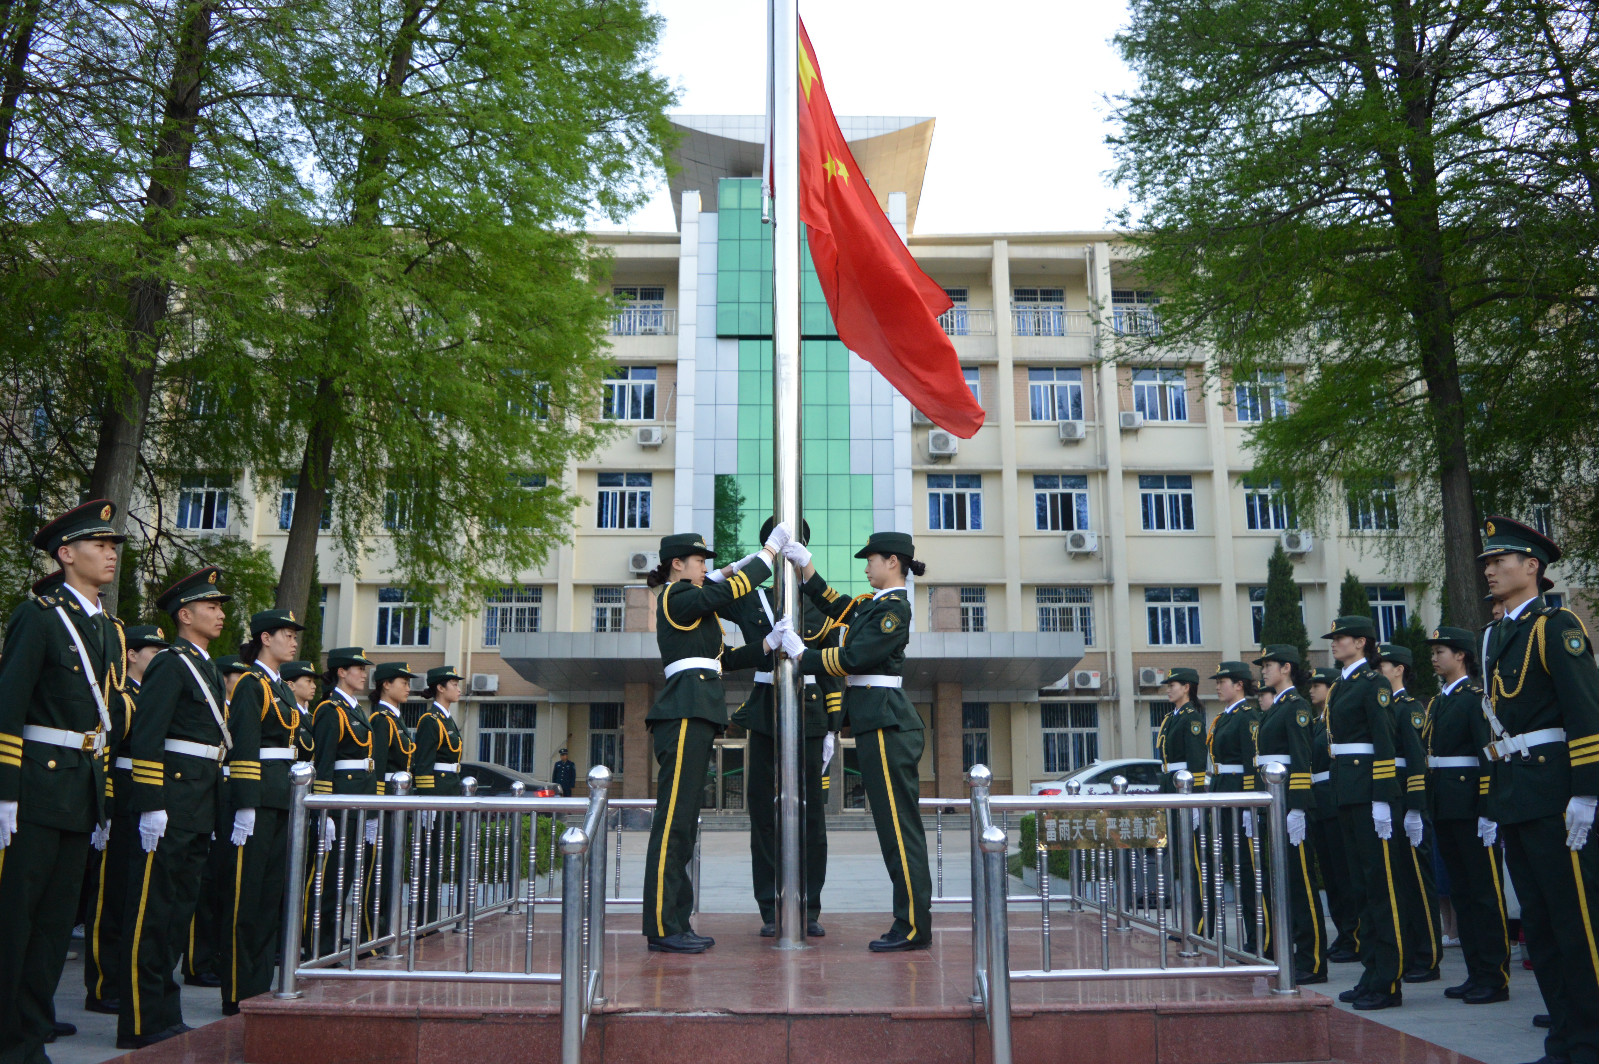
(49, 764)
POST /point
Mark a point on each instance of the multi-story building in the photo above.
(1101, 528)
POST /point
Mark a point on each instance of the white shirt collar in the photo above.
(442, 708)
(1398, 691)
(91, 607)
(202, 651)
(1278, 695)
(389, 706)
(269, 670)
(1515, 614)
(1235, 705)
(1354, 667)
(1449, 688)
(886, 591)
(347, 696)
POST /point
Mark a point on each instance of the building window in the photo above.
(1055, 394)
(399, 509)
(1173, 616)
(955, 320)
(1387, 609)
(969, 373)
(322, 606)
(644, 312)
(286, 506)
(1262, 398)
(1133, 312)
(1375, 509)
(1066, 609)
(1265, 506)
(974, 609)
(955, 502)
(624, 500)
(630, 394)
(401, 622)
(1161, 394)
(1167, 502)
(505, 735)
(1039, 311)
(1158, 712)
(605, 735)
(974, 734)
(1556, 599)
(1060, 503)
(203, 503)
(511, 609)
(609, 609)
(1071, 735)
(525, 398)
(1542, 518)
(1257, 609)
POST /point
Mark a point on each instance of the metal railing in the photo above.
(436, 862)
(644, 321)
(1047, 320)
(1116, 882)
(961, 320)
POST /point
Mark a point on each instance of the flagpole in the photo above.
(783, 18)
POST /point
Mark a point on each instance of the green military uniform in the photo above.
(1543, 691)
(1232, 771)
(888, 733)
(103, 926)
(1327, 838)
(436, 764)
(1181, 747)
(346, 763)
(176, 746)
(688, 713)
(202, 944)
(264, 718)
(1285, 737)
(392, 747)
(53, 732)
(304, 750)
(1417, 888)
(1360, 732)
(1456, 732)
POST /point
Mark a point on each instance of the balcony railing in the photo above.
(961, 320)
(1044, 319)
(645, 321)
(1135, 321)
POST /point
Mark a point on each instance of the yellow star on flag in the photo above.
(835, 168)
(807, 71)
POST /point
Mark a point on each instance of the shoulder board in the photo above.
(1474, 687)
(46, 601)
(1549, 610)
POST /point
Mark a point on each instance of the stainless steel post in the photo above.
(420, 835)
(574, 843)
(979, 778)
(1283, 939)
(784, 23)
(694, 865)
(469, 843)
(396, 869)
(1079, 876)
(994, 843)
(1185, 846)
(1124, 870)
(1043, 880)
(599, 780)
(358, 899)
(514, 873)
(300, 777)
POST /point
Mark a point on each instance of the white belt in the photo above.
(446, 766)
(693, 663)
(125, 763)
(874, 681)
(1511, 745)
(766, 678)
(88, 742)
(277, 753)
(1350, 749)
(183, 746)
(1453, 762)
(1399, 762)
(360, 764)
(1320, 777)
(1176, 766)
(227, 773)
(1273, 759)
(1228, 770)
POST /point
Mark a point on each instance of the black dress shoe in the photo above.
(813, 929)
(1375, 1000)
(1310, 978)
(105, 1006)
(1423, 975)
(1487, 995)
(1352, 995)
(63, 1029)
(678, 943)
(210, 979)
(695, 936)
(768, 930)
(1343, 956)
(1544, 1020)
(230, 1008)
(896, 944)
(1460, 990)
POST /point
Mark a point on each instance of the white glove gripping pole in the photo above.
(798, 553)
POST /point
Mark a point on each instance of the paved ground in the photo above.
(1495, 1034)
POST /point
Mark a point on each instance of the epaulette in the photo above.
(1474, 687)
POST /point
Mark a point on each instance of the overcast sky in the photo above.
(1019, 89)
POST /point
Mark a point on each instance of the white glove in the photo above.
(100, 836)
(716, 576)
(1296, 826)
(829, 745)
(1413, 828)
(372, 831)
(152, 826)
(1487, 830)
(779, 538)
(1382, 818)
(1249, 823)
(794, 647)
(428, 817)
(798, 553)
(774, 639)
(1579, 818)
(8, 823)
(329, 830)
(1198, 818)
(742, 562)
(243, 825)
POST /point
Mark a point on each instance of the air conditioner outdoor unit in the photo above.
(1297, 542)
(1085, 680)
(1072, 431)
(1081, 542)
(418, 684)
(1130, 420)
(649, 436)
(941, 444)
(642, 562)
(919, 418)
(1148, 677)
(485, 683)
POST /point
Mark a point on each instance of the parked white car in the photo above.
(1142, 773)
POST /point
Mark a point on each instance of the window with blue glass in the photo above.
(955, 502)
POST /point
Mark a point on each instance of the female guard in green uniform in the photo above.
(392, 746)
(436, 763)
(1343, 898)
(1232, 754)
(684, 721)
(1418, 892)
(887, 729)
(1181, 747)
(342, 734)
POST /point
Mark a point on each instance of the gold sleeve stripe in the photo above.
(830, 595)
(1585, 741)
(424, 781)
(157, 765)
(236, 765)
(320, 787)
(1585, 759)
(11, 760)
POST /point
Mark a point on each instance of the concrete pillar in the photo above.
(636, 750)
(1231, 635)
(1009, 506)
(1113, 546)
(948, 779)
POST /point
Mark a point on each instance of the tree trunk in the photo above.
(310, 499)
(17, 51)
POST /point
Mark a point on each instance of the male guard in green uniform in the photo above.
(60, 674)
(1542, 709)
(1418, 892)
(1232, 771)
(177, 744)
(436, 767)
(1181, 747)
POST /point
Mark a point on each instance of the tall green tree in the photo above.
(1413, 637)
(1352, 598)
(1284, 620)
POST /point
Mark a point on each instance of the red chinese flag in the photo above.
(885, 307)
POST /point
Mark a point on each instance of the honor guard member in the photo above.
(202, 948)
(264, 716)
(760, 618)
(1343, 900)
(1418, 890)
(1456, 732)
(1360, 732)
(1232, 771)
(888, 731)
(60, 676)
(1181, 747)
(1542, 710)
(436, 764)
(178, 741)
(301, 678)
(392, 746)
(103, 929)
(344, 762)
(1286, 738)
(688, 714)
